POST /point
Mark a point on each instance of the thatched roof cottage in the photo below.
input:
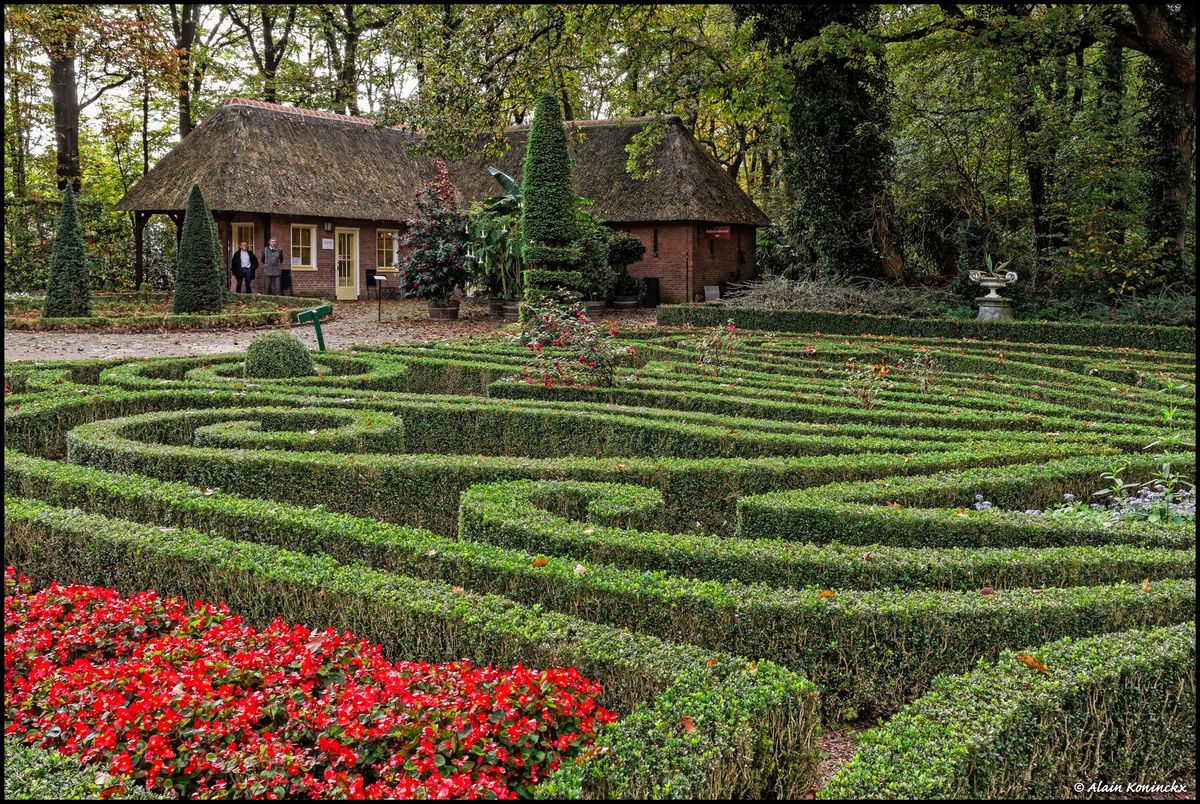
(334, 191)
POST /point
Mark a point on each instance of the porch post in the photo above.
(139, 265)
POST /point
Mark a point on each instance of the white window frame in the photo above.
(312, 242)
(396, 234)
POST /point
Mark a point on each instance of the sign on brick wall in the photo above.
(718, 232)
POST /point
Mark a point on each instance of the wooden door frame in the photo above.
(357, 259)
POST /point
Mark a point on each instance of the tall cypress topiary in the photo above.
(548, 226)
(199, 278)
(68, 293)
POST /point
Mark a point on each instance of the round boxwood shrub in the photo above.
(278, 354)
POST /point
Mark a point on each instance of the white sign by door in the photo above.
(327, 243)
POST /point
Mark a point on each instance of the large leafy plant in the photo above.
(437, 244)
(494, 239)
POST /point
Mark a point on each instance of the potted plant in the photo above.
(436, 262)
(624, 249)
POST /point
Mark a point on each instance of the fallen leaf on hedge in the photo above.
(115, 790)
(206, 491)
(866, 556)
(432, 553)
(688, 724)
(894, 505)
(709, 664)
(1146, 587)
(987, 591)
(827, 594)
(1033, 663)
(961, 512)
(752, 667)
(539, 562)
(458, 590)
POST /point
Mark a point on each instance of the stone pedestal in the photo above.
(994, 308)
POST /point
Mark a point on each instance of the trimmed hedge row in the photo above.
(514, 515)
(40, 774)
(760, 705)
(1139, 336)
(327, 429)
(938, 511)
(906, 637)
(294, 306)
(1118, 707)
(424, 490)
(834, 410)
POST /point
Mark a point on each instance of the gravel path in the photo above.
(352, 323)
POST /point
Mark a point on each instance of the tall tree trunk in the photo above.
(185, 23)
(19, 142)
(64, 91)
(145, 124)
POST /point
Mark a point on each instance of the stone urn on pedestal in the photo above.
(993, 306)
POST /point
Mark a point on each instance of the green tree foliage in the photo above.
(839, 155)
(68, 292)
(548, 223)
(200, 284)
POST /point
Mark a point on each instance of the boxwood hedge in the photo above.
(1117, 708)
(1140, 336)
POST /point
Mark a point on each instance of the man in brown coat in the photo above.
(272, 266)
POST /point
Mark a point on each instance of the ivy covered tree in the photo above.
(548, 224)
(839, 156)
(68, 294)
(200, 284)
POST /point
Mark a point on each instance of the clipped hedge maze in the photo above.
(742, 560)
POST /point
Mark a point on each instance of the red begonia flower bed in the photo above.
(185, 696)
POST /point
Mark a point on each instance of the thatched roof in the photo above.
(250, 156)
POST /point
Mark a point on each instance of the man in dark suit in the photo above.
(243, 266)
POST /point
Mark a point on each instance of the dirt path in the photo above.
(353, 323)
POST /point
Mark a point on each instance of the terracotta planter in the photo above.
(512, 310)
(596, 308)
(495, 306)
(625, 303)
(449, 312)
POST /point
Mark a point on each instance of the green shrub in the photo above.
(1182, 339)
(41, 774)
(938, 511)
(278, 354)
(617, 533)
(1113, 708)
(68, 290)
(200, 284)
(548, 226)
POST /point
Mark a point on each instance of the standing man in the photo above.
(272, 264)
(243, 265)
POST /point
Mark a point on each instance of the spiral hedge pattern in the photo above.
(742, 559)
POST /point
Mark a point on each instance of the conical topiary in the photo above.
(68, 293)
(199, 278)
(548, 225)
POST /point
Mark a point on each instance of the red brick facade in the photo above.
(685, 260)
(318, 283)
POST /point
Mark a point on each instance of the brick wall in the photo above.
(685, 262)
(320, 283)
